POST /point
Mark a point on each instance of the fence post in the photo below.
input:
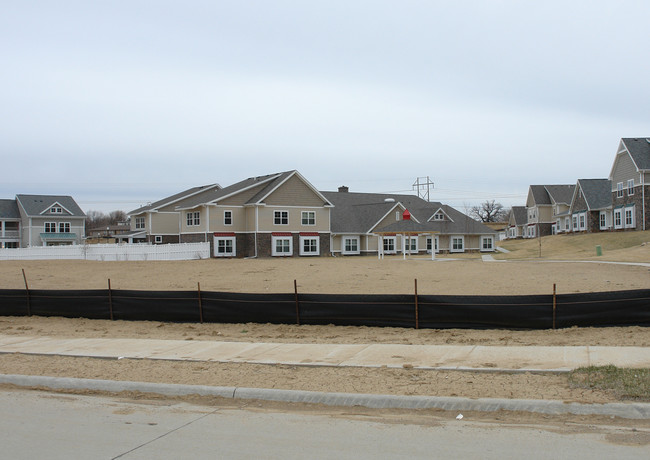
(554, 305)
(29, 300)
(200, 304)
(417, 307)
(295, 291)
(110, 299)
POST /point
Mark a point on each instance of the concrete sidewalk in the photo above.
(442, 357)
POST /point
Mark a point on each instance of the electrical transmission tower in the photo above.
(423, 185)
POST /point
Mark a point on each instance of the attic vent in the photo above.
(389, 200)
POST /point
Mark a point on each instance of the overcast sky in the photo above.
(118, 103)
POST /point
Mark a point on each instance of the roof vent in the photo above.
(389, 200)
(344, 189)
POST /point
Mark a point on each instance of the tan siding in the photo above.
(162, 223)
(266, 220)
(294, 192)
(390, 218)
(217, 219)
(242, 198)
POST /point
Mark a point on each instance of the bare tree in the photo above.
(489, 211)
(96, 219)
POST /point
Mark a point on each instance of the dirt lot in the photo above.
(325, 275)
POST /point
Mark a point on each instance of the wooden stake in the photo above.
(417, 308)
(200, 304)
(29, 300)
(110, 299)
(554, 305)
(295, 291)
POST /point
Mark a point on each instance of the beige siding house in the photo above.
(547, 208)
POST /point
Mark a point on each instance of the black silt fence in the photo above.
(622, 308)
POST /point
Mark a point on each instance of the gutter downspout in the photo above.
(256, 228)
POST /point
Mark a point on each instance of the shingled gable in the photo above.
(639, 151)
(39, 205)
(596, 193)
(176, 198)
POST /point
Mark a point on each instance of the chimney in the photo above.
(344, 189)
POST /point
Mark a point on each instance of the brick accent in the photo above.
(637, 200)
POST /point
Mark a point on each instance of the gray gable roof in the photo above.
(9, 209)
(597, 193)
(540, 195)
(561, 193)
(639, 149)
(173, 198)
(361, 212)
(35, 205)
(519, 214)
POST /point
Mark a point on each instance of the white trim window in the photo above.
(457, 244)
(227, 217)
(350, 245)
(487, 243)
(602, 220)
(158, 239)
(309, 246)
(282, 246)
(630, 187)
(439, 216)
(389, 245)
(619, 190)
(411, 244)
(281, 217)
(64, 227)
(582, 218)
(56, 210)
(574, 220)
(435, 241)
(193, 219)
(139, 223)
(308, 218)
(225, 246)
(50, 227)
(629, 217)
(567, 224)
(618, 218)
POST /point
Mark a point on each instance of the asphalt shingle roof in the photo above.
(520, 214)
(597, 193)
(9, 209)
(34, 205)
(561, 193)
(639, 148)
(360, 213)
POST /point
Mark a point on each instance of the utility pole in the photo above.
(423, 185)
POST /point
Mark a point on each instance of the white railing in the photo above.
(111, 252)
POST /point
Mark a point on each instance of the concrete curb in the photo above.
(623, 410)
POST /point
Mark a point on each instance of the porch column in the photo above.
(404, 246)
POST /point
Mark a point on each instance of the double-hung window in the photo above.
(193, 219)
(139, 223)
(629, 217)
(309, 246)
(308, 218)
(64, 227)
(224, 246)
(630, 187)
(457, 244)
(389, 244)
(50, 227)
(227, 217)
(618, 218)
(282, 246)
(603, 220)
(619, 190)
(411, 244)
(281, 217)
(487, 243)
(351, 245)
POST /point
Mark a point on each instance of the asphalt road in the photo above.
(37, 424)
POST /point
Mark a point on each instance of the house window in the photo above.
(64, 227)
(630, 187)
(139, 223)
(224, 246)
(281, 217)
(309, 246)
(574, 219)
(411, 244)
(193, 219)
(582, 218)
(50, 227)
(618, 218)
(629, 217)
(158, 239)
(566, 224)
(603, 220)
(389, 244)
(282, 246)
(56, 210)
(439, 216)
(398, 215)
(487, 243)
(308, 218)
(351, 245)
(619, 190)
(227, 217)
(457, 244)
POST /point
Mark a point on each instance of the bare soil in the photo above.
(322, 275)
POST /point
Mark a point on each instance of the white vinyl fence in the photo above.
(111, 252)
